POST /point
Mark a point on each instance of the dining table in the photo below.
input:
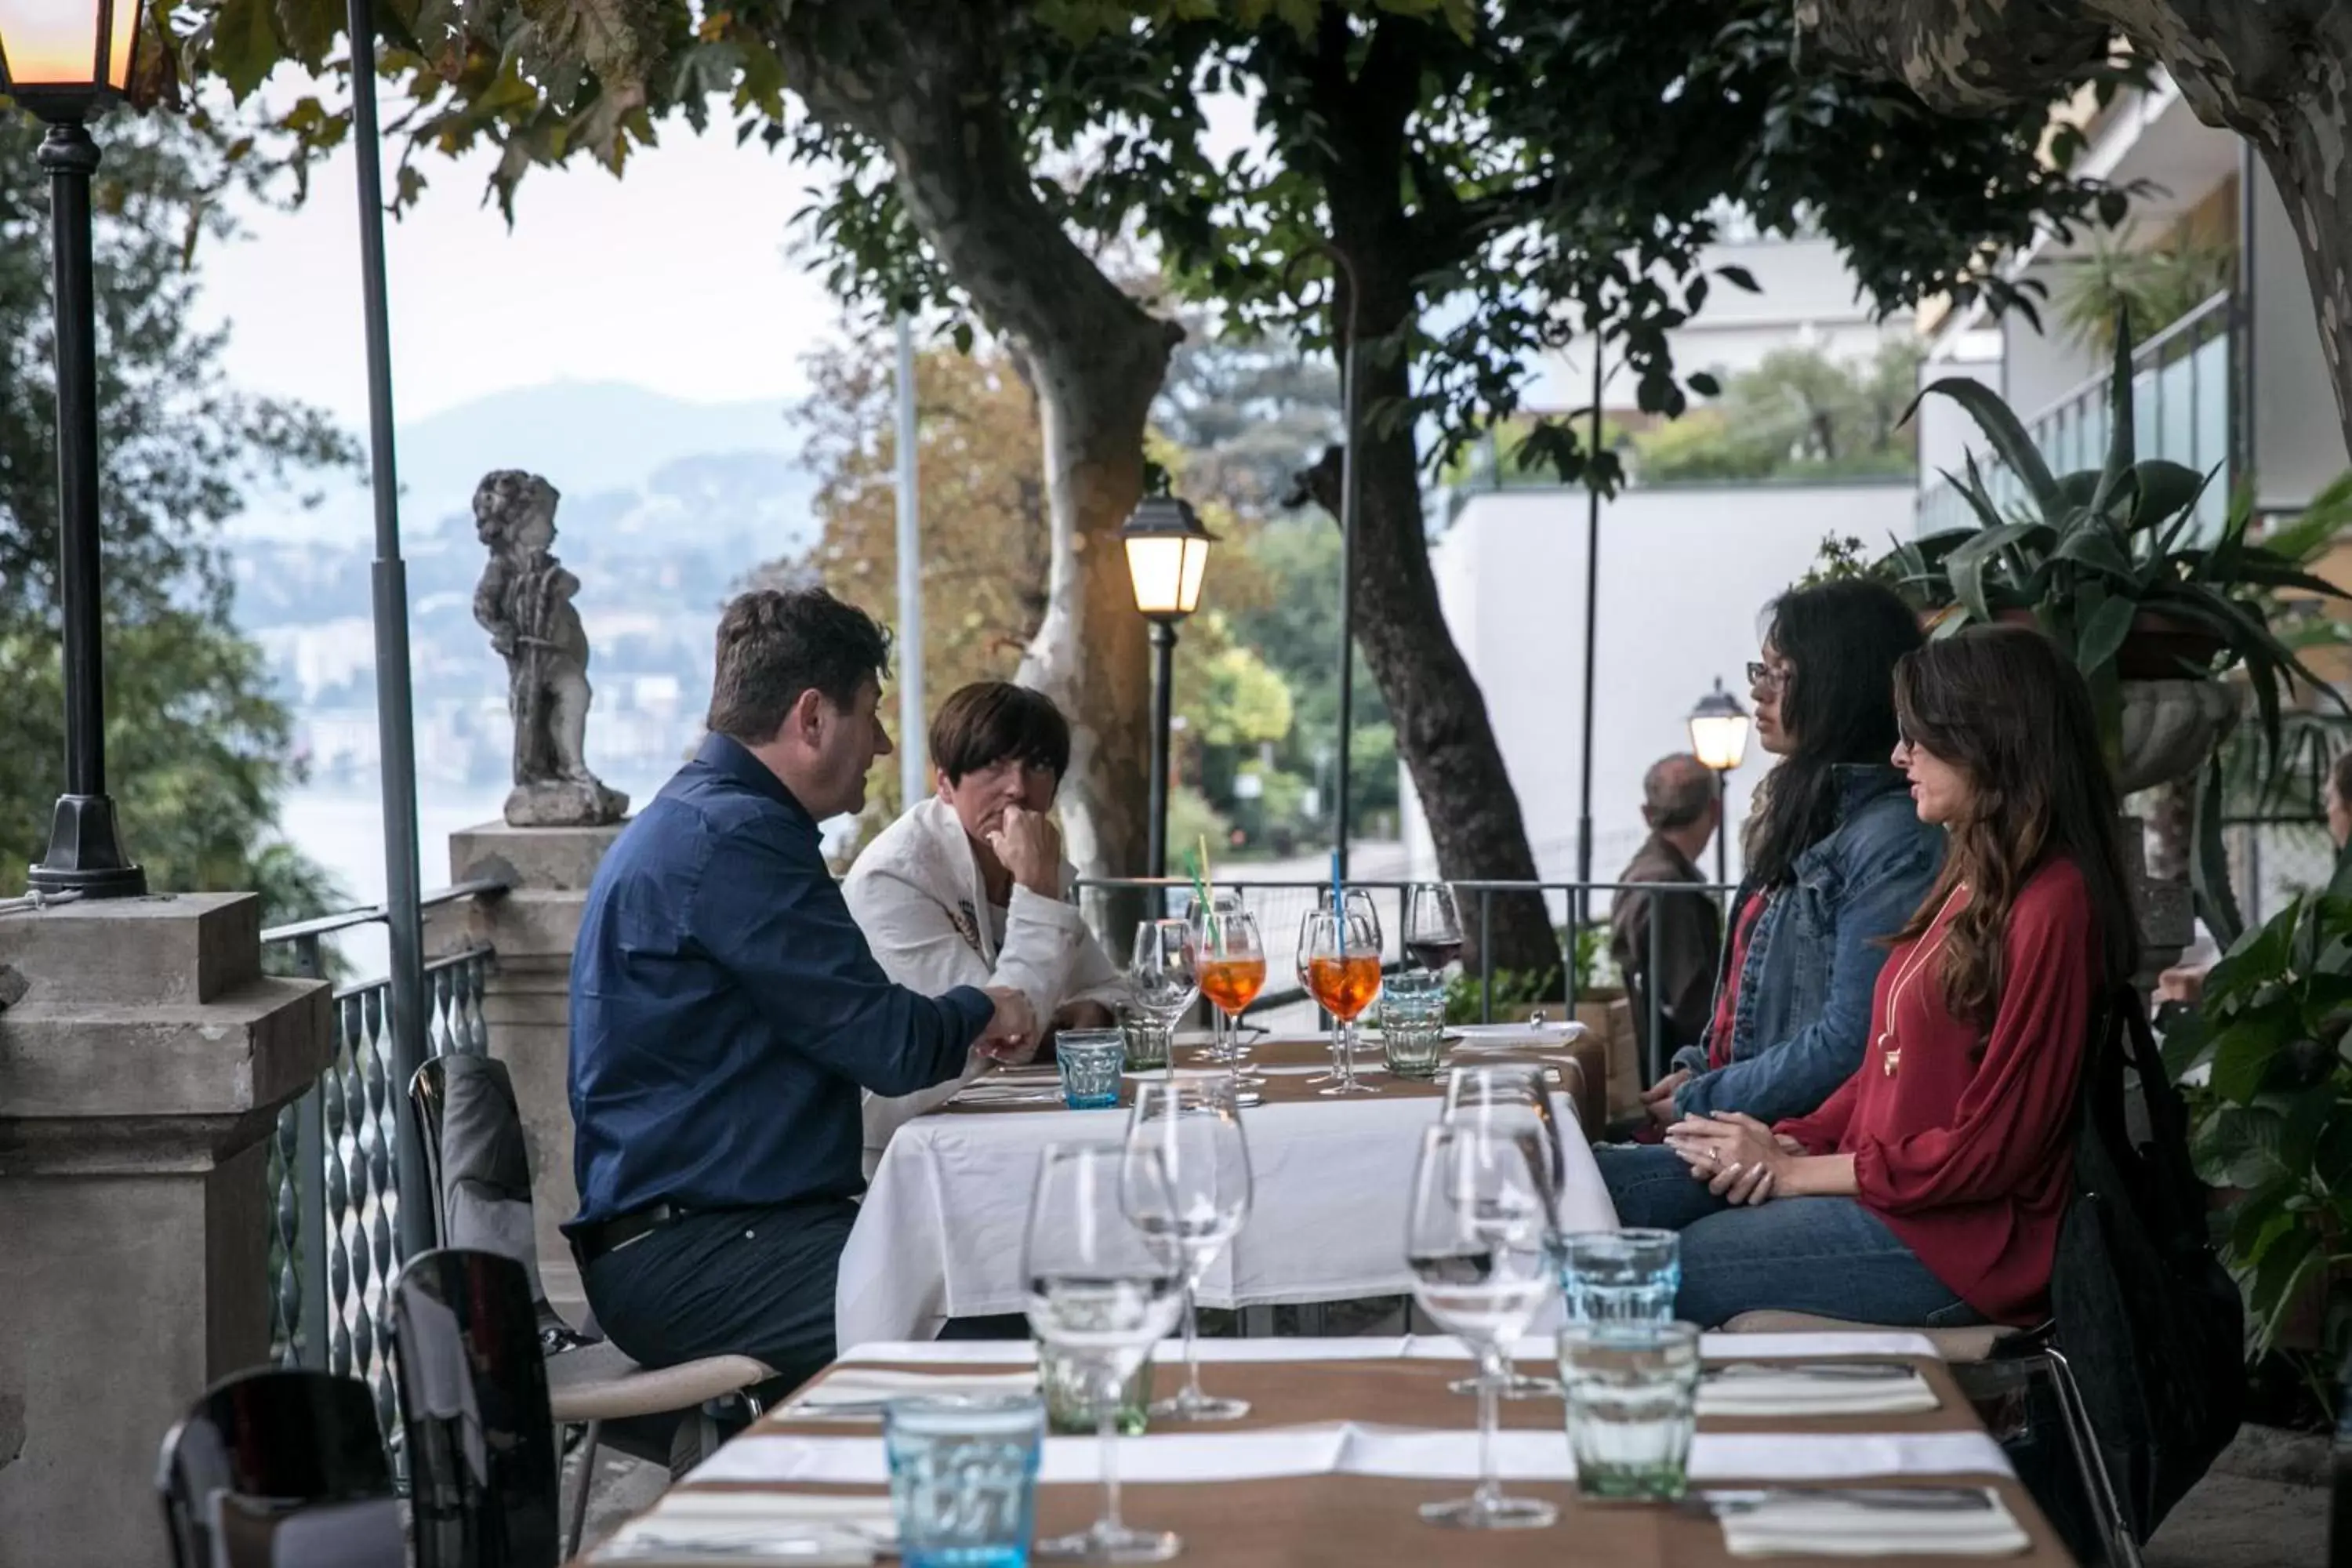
(939, 1231)
(1345, 1437)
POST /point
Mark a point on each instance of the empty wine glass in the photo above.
(1340, 964)
(1433, 926)
(1102, 1293)
(1511, 1098)
(1164, 973)
(1190, 1124)
(1231, 966)
(1478, 1241)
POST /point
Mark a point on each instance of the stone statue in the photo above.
(524, 601)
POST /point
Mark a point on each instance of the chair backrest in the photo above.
(471, 1129)
(482, 1468)
(277, 1469)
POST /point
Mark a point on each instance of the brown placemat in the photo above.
(1398, 1392)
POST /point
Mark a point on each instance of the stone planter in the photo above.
(2170, 727)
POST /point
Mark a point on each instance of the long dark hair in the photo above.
(2002, 704)
(1840, 640)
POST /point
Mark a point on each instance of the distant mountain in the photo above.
(591, 440)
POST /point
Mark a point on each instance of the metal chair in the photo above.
(485, 1481)
(277, 1469)
(485, 1204)
(1989, 1361)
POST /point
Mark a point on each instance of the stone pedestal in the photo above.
(144, 1058)
(526, 1003)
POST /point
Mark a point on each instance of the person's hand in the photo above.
(1028, 845)
(1658, 1100)
(1011, 1036)
(1739, 1158)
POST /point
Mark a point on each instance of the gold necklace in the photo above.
(1891, 1055)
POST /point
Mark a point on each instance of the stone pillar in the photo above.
(527, 1002)
(144, 1058)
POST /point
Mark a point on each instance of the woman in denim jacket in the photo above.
(1836, 859)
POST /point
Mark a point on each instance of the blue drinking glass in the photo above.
(963, 1478)
(1620, 1276)
(1091, 1062)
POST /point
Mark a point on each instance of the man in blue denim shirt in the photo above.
(726, 1012)
(1801, 1015)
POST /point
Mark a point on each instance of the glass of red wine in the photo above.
(1433, 926)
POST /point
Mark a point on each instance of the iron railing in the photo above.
(1280, 903)
(333, 1192)
(2183, 408)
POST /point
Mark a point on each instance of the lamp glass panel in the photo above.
(123, 35)
(1196, 562)
(1720, 742)
(50, 43)
(1156, 567)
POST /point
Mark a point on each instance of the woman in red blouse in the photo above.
(1929, 1188)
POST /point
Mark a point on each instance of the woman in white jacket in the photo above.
(968, 888)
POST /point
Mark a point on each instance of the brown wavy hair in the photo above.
(2006, 707)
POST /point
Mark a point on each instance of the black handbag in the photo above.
(2152, 1324)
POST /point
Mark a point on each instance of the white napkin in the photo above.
(1790, 1524)
(1747, 1390)
(864, 1386)
(688, 1528)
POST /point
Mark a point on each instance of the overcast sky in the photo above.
(675, 278)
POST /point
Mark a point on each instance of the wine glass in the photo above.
(1190, 1125)
(1339, 964)
(1511, 1098)
(1359, 904)
(1102, 1293)
(1478, 1241)
(1433, 926)
(1232, 965)
(1164, 973)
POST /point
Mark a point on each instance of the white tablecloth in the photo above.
(938, 1234)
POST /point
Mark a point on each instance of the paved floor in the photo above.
(2229, 1522)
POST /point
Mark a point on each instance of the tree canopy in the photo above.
(198, 743)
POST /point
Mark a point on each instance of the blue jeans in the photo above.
(1825, 1255)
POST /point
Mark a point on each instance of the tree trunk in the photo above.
(901, 73)
(1443, 733)
(2278, 72)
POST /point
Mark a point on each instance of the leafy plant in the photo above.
(2156, 285)
(2091, 555)
(2272, 1120)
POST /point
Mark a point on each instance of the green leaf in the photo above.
(2210, 882)
(2276, 1276)
(2243, 1052)
(2165, 489)
(1967, 565)
(309, 28)
(2001, 428)
(2090, 545)
(1739, 277)
(2119, 419)
(244, 47)
(2103, 630)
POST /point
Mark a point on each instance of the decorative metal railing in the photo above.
(2183, 409)
(334, 1164)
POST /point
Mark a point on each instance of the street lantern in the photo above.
(63, 59)
(1718, 734)
(1167, 555)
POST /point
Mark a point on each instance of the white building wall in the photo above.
(1686, 573)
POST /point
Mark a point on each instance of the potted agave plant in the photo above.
(2108, 563)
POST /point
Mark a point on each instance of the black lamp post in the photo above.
(1718, 733)
(63, 61)
(1167, 551)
